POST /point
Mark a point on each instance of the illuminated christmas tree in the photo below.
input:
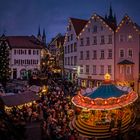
(4, 61)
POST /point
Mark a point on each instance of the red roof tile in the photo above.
(30, 42)
(78, 24)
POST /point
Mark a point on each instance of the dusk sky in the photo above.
(23, 17)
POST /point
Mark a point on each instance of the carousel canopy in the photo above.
(106, 91)
(106, 97)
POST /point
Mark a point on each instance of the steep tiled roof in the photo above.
(30, 42)
(78, 24)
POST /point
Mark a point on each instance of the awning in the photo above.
(126, 62)
(19, 99)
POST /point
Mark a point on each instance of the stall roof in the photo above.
(19, 99)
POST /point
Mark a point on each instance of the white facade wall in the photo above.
(88, 32)
(70, 68)
(29, 57)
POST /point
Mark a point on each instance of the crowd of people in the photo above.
(54, 111)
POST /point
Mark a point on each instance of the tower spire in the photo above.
(110, 12)
(39, 34)
(44, 36)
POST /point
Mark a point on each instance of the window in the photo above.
(121, 69)
(102, 69)
(33, 52)
(94, 54)
(87, 55)
(68, 48)
(81, 55)
(37, 52)
(110, 54)
(65, 49)
(101, 28)
(65, 60)
(71, 36)
(129, 38)
(68, 61)
(102, 54)
(87, 41)
(94, 40)
(75, 60)
(81, 69)
(29, 51)
(121, 38)
(81, 42)
(68, 38)
(109, 69)
(102, 39)
(128, 69)
(87, 69)
(110, 39)
(130, 53)
(75, 47)
(14, 51)
(94, 69)
(121, 53)
(95, 29)
(71, 60)
(71, 47)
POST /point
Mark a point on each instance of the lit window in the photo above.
(129, 38)
(81, 69)
(121, 69)
(128, 69)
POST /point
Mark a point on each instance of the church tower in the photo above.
(111, 18)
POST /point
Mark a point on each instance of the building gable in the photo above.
(75, 25)
(127, 21)
(96, 20)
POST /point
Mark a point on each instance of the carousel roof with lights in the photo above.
(106, 97)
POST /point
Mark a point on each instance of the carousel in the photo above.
(105, 111)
